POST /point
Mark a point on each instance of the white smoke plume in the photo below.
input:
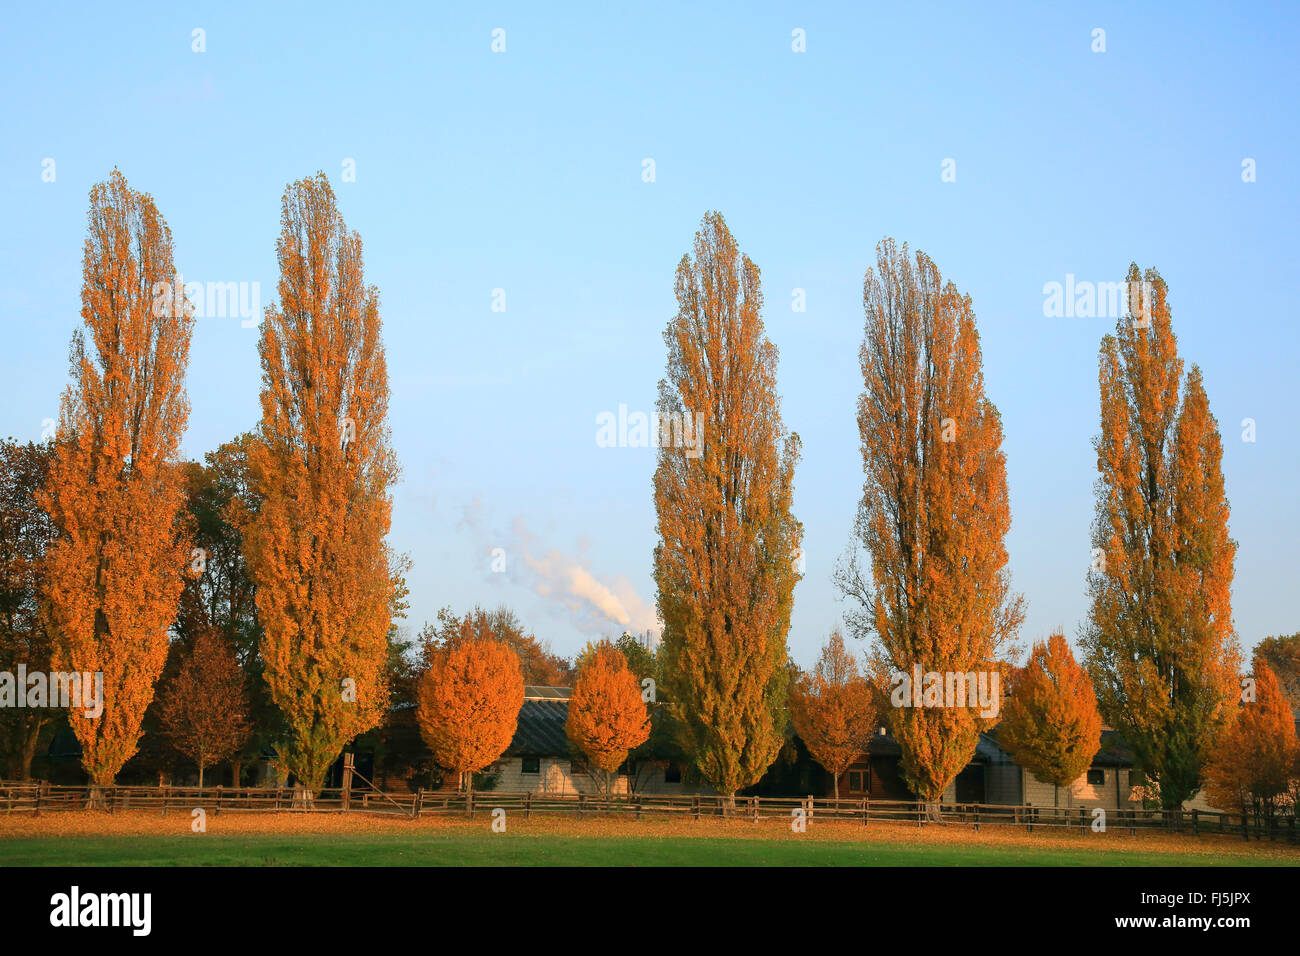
(594, 604)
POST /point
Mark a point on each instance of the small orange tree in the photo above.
(469, 700)
(1282, 655)
(1050, 723)
(834, 709)
(1255, 755)
(607, 716)
(540, 665)
(205, 709)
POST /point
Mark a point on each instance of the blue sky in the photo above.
(522, 171)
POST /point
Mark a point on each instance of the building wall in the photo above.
(556, 777)
(1199, 802)
(885, 780)
(1081, 793)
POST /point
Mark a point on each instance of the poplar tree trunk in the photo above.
(27, 752)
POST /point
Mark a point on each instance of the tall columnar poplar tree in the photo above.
(321, 471)
(114, 574)
(727, 560)
(934, 510)
(1161, 647)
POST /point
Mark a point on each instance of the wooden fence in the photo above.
(44, 797)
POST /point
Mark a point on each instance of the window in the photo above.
(1096, 778)
(672, 773)
(1136, 778)
(859, 781)
(530, 765)
(578, 765)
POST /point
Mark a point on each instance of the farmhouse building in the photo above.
(540, 758)
(992, 777)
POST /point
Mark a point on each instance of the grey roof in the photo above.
(540, 732)
(1114, 752)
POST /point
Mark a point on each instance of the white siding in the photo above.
(556, 776)
(1081, 793)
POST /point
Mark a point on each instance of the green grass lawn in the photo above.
(461, 849)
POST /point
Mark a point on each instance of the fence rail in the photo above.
(35, 797)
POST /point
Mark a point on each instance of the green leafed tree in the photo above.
(727, 559)
(1160, 643)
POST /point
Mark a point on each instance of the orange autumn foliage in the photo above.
(540, 665)
(1162, 650)
(205, 709)
(469, 701)
(934, 511)
(1282, 654)
(115, 486)
(834, 709)
(1255, 756)
(607, 716)
(727, 559)
(321, 469)
(1050, 722)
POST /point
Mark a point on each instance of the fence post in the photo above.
(528, 804)
(866, 809)
(1196, 823)
(345, 798)
(695, 802)
(417, 803)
